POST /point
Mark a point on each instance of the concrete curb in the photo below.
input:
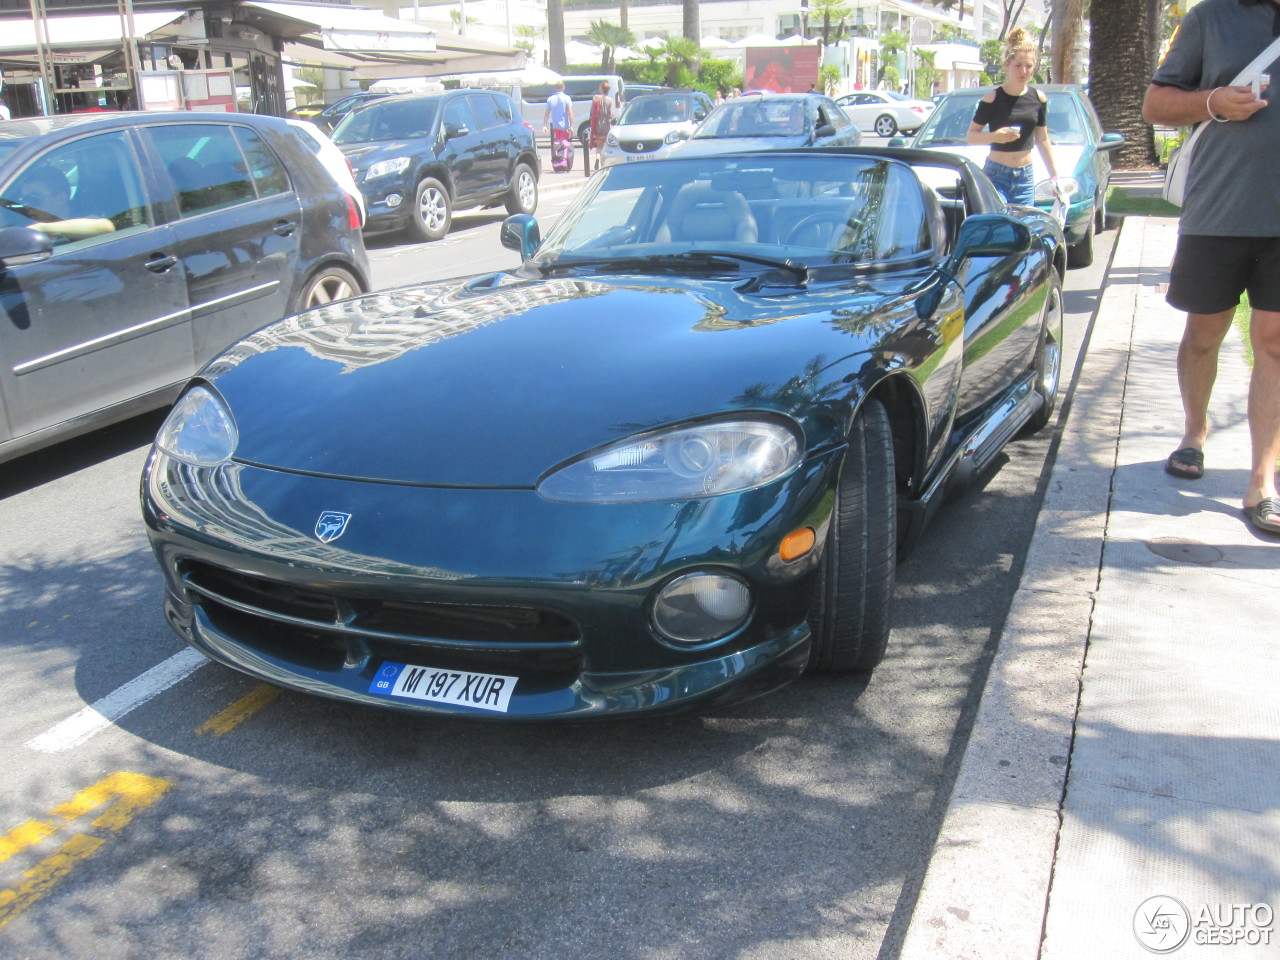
(986, 890)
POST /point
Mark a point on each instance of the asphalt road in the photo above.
(190, 812)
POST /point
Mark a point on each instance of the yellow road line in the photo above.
(125, 795)
(26, 835)
(42, 878)
(226, 720)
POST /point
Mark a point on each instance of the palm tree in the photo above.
(830, 10)
(1123, 50)
(608, 37)
(528, 35)
(892, 44)
(682, 55)
(1066, 17)
(692, 20)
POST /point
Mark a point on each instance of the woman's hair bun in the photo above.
(1016, 35)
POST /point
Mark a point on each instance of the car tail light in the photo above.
(353, 213)
(527, 127)
(917, 109)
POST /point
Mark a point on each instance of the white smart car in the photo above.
(650, 126)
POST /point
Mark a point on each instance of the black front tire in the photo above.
(1048, 362)
(523, 195)
(1080, 253)
(850, 617)
(432, 212)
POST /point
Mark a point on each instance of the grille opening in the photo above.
(403, 618)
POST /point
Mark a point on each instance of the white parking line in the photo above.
(100, 714)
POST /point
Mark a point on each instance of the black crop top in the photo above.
(1025, 112)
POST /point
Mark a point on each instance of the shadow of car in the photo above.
(778, 121)
(885, 112)
(687, 438)
(1080, 148)
(650, 126)
(136, 246)
(418, 158)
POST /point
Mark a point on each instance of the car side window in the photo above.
(205, 164)
(79, 192)
(829, 113)
(486, 112)
(458, 117)
(265, 169)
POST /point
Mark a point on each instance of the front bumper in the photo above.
(494, 582)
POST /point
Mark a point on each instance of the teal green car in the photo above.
(1081, 150)
(669, 460)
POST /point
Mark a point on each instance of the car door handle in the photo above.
(285, 228)
(160, 262)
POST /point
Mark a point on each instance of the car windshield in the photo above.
(651, 109)
(948, 125)
(812, 209)
(754, 117)
(388, 120)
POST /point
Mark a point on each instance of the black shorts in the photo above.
(1209, 273)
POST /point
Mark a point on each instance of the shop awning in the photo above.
(86, 31)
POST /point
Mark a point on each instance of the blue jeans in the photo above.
(1015, 184)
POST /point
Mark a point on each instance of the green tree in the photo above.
(528, 35)
(716, 75)
(991, 53)
(828, 76)
(926, 73)
(892, 45)
(831, 11)
(609, 37)
(1124, 47)
(681, 56)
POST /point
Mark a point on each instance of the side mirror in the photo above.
(897, 142)
(1110, 141)
(452, 130)
(20, 245)
(991, 235)
(520, 233)
(826, 130)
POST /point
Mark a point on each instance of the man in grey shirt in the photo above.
(1229, 234)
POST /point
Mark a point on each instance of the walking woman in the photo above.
(1010, 118)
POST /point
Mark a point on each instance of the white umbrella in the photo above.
(714, 43)
(575, 51)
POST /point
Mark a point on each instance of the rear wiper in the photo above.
(702, 258)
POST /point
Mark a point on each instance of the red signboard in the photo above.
(782, 69)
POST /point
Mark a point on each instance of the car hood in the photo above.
(706, 146)
(495, 382)
(362, 155)
(648, 131)
(1070, 160)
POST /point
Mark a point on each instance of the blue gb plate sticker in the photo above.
(481, 691)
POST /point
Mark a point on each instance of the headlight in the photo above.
(385, 168)
(199, 429)
(701, 608)
(611, 141)
(675, 136)
(692, 461)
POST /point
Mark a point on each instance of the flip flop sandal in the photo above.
(1265, 515)
(1187, 463)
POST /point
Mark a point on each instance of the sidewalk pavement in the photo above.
(1127, 745)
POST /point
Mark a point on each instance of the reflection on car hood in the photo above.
(495, 383)
(649, 131)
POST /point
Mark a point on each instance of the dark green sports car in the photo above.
(671, 459)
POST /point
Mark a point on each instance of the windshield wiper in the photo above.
(701, 258)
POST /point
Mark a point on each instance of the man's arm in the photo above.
(1175, 107)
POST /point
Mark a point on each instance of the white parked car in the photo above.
(333, 159)
(885, 112)
(651, 125)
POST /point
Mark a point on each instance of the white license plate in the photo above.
(483, 691)
(639, 156)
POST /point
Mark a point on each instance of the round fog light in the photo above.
(393, 200)
(701, 607)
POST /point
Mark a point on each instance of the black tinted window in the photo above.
(389, 120)
(265, 167)
(457, 114)
(205, 164)
(488, 110)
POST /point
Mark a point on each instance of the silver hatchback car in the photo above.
(650, 126)
(134, 247)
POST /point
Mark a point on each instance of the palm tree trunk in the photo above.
(1066, 17)
(555, 35)
(1123, 51)
(692, 25)
(622, 13)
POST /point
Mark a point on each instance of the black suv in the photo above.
(419, 158)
